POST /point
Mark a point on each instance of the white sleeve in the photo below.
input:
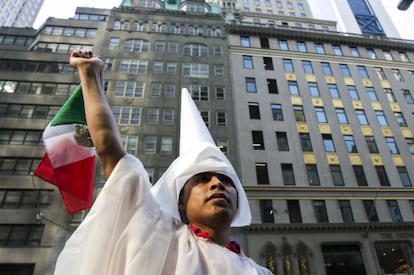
(125, 194)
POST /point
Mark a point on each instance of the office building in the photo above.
(317, 122)
(19, 13)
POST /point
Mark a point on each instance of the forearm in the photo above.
(101, 123)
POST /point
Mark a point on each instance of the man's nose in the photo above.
(215, 182)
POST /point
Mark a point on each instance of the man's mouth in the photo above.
(218, 196)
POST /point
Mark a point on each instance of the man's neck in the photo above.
(220, 236)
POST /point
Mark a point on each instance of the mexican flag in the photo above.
(69, 161)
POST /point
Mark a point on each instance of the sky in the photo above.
(66, 9)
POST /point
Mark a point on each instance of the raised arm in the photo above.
(101, 122)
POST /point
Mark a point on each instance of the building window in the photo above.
(363, 71)
(362, 118)
(295, 215)
(245, 41)
(333, 91)
(199, 93)
(155, 89)
(264, 42)
(268, 63)
(380, 73)
(218, 70)
(287, 174)
(390, 95)
(169, 90)
(25, 198)
(194, 49)
(18, 269)
(381, 118)
(382, 175)
(313, 89)
(336, 173)
(160, 46)
(307, 67)
(299, 113)
(137, 46)
(258, 142)
(341, 115)
(221, 118)
(171, 68)
(288, 65)
(127, 115)
(346, 210)
(387, 55)
(350, 144)
(312, 173)
(262, 174)
(372, 145)
(305, 142)
(113, 43)
(405, 178)
(153, 115)
(21, 235)
(343, 259)
(370, 210)
(272, 86)
(223, 145)
(132, 66)
(129, 89)
(283, 45)
(337, 49)
(172, 47)
(320, 115)
(345, 70)
(371, 54)
(319, 48)
(247, 62)
(328, 143)
(282, 141)
(397, 75)
(195, 70)
(326, 68)
(220, 94)
(352, 91)
(158, 67)
(254, 110)
(408, 97)
(217, 50)
(150, 144)
(371, 94)
(320, 211)
(404, 57)
(20, 137)
(392, 145)
(301, 46)
(277, 113)
(166, 145)
(251, 85)
(266, 210)
(293, 88)
(360, 175)
(394, 211)
(205, 116)
(410, 143)
(130, 144)
(354, 51)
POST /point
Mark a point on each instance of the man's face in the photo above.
(209, 199)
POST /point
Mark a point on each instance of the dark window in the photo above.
(405, 178)
(313, 176)
(382, 175)
(264, 42)
(336, 173)
(360, 175)
(277, 112)
(400, 119)
(395, 257)
(394, 211)
(346, 210)
(370, 210)
(21, 235)
(272, 86)
(320, 211)
(295, 215)
(254, 110)
(282, 141)
(266, 210)
(258, 142)
(17, 269)
(287, 174)
(372, 145)
(305, 141)
(262, 173)
(299, 113)
(268, 63)
(343, 259)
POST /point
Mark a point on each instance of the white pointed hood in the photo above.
(198, 153)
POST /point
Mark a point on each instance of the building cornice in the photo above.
(318, 227)
(286, 32)
(328, 193)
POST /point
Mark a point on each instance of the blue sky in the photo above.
(66, 8)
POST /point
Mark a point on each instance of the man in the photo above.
(135, 229)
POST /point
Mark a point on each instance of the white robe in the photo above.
(126, 233)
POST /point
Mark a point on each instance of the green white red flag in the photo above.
(69, 162)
